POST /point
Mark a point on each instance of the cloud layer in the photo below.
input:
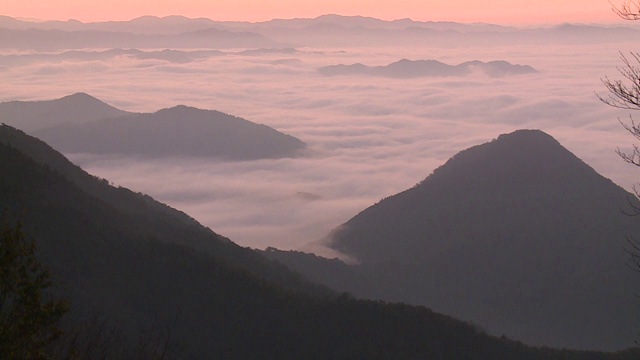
(368, 137)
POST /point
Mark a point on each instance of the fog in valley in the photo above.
(368, 137)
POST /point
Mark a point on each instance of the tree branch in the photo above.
(629, 10)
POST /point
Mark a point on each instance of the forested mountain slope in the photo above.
(517, 235)
(148, 218)
(207, 306)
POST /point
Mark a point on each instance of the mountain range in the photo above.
(517, 235)
(143, 268)
(80, 123)
(328, 30)
(180, 24)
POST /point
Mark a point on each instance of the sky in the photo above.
(507, 12)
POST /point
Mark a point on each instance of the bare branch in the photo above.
(629, 10)
(624, 94)
(633, 209)
(634, 253)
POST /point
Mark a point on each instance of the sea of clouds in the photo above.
(368, 137)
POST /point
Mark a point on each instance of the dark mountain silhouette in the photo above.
(72, 109)
(148, 218)
(423, 68)
(119, 265)
(517, 235)
(178, 131)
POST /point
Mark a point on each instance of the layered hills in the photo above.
(80, 123)
(428, 68)
(326, 30)
(142, 270)
(517, 235)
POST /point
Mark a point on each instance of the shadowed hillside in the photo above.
(517, 235)
(117, 265)
(146, 216)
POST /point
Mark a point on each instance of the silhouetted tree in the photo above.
(28, 322)
(624, 94)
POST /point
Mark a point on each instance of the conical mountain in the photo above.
(72, 109)
(517, 235)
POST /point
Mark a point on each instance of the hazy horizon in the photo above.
(605, 21)
(369, 137)
(501, 12)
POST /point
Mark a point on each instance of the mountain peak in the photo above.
(535, 142)
(520, 153)
(516, 170)
(80, 96)
(519, 228)
(528, 135)
(180, 109)
(71, 109)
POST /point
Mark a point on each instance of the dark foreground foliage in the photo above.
(28, 319)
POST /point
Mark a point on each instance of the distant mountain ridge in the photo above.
(177, 24)
(405, 69)
(178, 131)
(80, 123)
(517, 235)
(326, 30)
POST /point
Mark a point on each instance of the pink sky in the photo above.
(511, 12)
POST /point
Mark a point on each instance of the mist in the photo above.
(368, 137)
